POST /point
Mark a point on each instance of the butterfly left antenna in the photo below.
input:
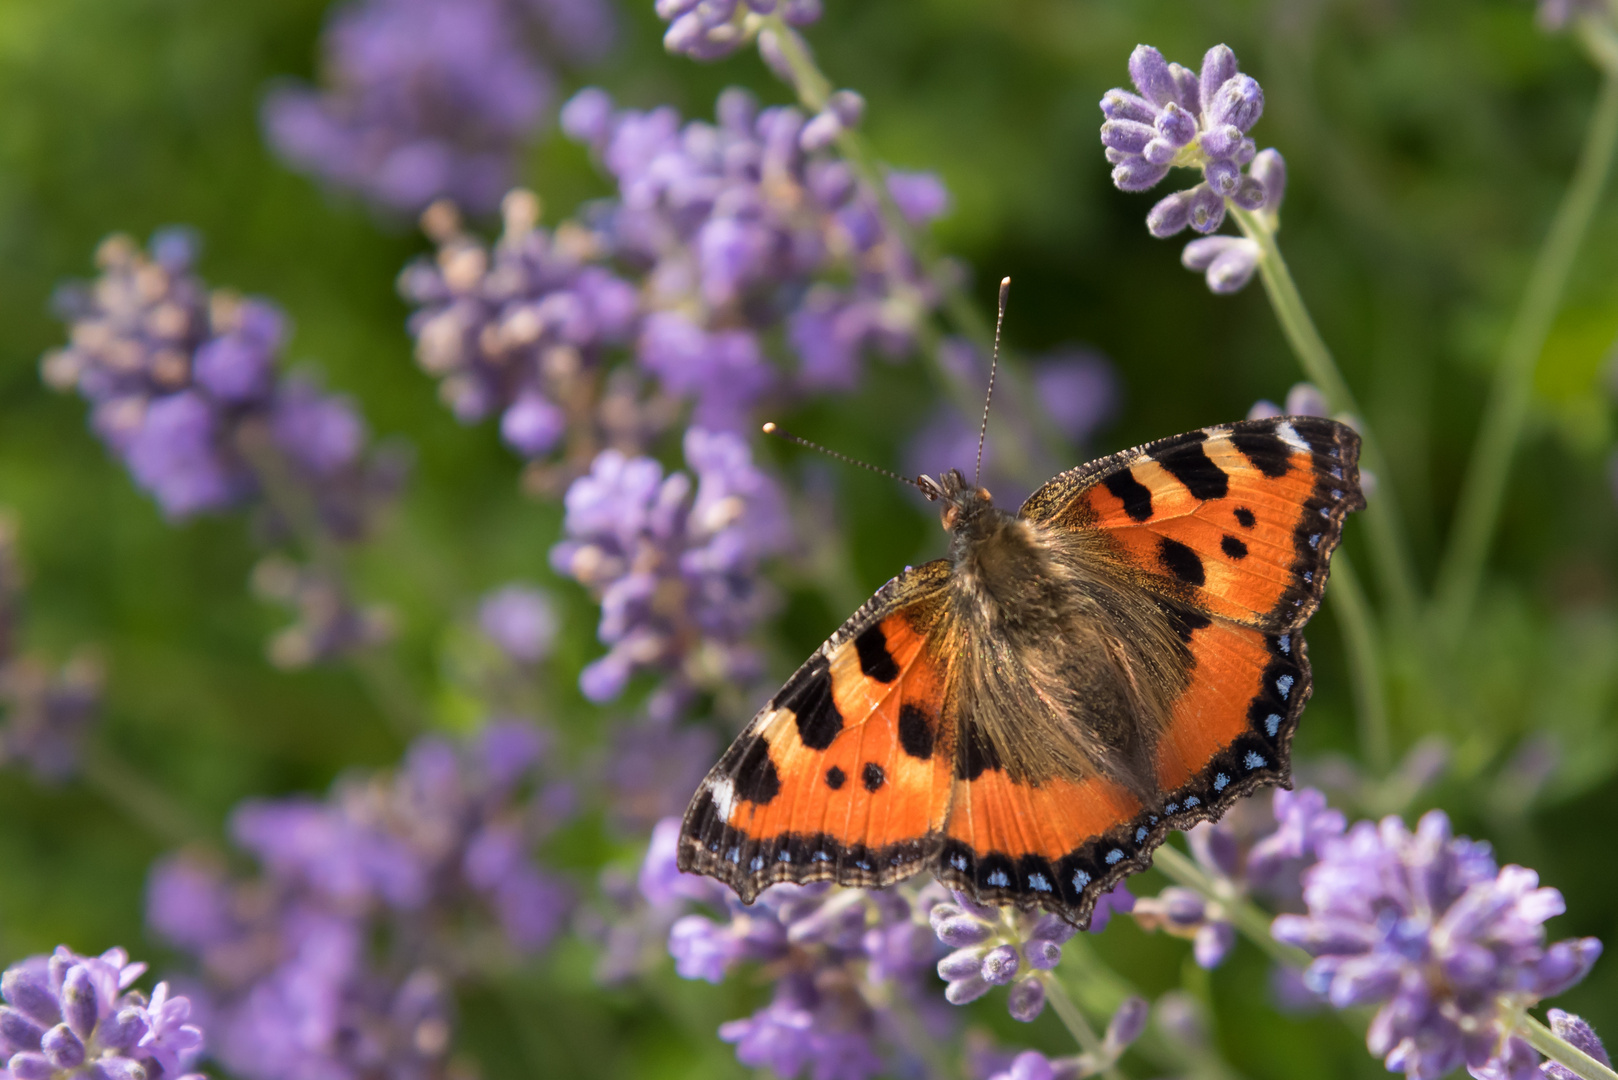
(999, 320)
(771, 429)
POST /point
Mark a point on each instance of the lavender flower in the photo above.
(74, 1016)
(522, 329)
(521, 620)
(745, 228)
(675, 563)
(1258, 848)
(1005, 947)
(329, 622)
(711, 29)
(836, 953)
(48, 710)
(653, 766)
(184, 389)
(1452, 947)
(1199, 120)
(1125, 1026)
(437, 859)
(1304, 399)
(1573, 1029)
(430, 98)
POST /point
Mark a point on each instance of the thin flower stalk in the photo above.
(1354, 617)
(1561, 1051)
(1483, 489)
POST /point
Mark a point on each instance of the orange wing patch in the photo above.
(846, 773)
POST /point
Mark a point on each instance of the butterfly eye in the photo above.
(951, 513)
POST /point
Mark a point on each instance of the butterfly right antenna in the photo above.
(999, 320)
(771, 429)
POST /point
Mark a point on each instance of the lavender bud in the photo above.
(1246, 152)
(1151, 76)
(1213, 943)
(1122, 105)
(1249, 194)
(1270, 169)
(1221, 142)
(117, 1068)
(123, 1030)
(1176, 125)
(1054, 928)
(1171, 214)
(27, 991)
(1187, 91)
(1564, 964)
(1127, 136)
(31, 1066)
(962, 931)
(961, 964)
(1580, 1034)
(769, 49)
(1207, 209)
(1026, 1000)
(1218, 67)
(962, 991)
(1000, 965)
(18, 1029)
(1042, 955)
(79, 1006)
(1137, 175)
(820, 132)
(848, 106)
(1159, 152)
(1223, 177)
(1240, 101)
(1127, 1023)
(1305, 399)
(62, 1047)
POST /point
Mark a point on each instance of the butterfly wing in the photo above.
(845, 774)
(1230, 529)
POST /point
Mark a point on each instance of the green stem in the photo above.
(1561, 1051)
(143, 801)
(813, 89)
(1077, 1025)
(1353, 611)
(1250, 921)
(1478, 511)
(1314, 356)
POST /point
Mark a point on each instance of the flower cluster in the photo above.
(522, 328)
(712, 29)
(745, 226)
(1257, 849)
(421, 859)
(1450, 946)
(431, 98)
(1196, 119)
(853, 969)
(1125, 1026)
(184, 388)
(675, 563)
(48, 710)
(68, 1015)
(1006, 947)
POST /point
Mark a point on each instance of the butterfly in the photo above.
(1029, 716)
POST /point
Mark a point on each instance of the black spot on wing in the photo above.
(751, 769)
(835, 777)
(1265, 450)
(1185, 621)
(1137, 498)
(1244, 517)
(1233, 547)
(809, 697)
(915, 732)
(875, 660)
(872, 776)
(976, 754)
(1180, 561)
(1188, 463)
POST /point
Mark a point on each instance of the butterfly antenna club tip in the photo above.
(994, 363)
(772, 428)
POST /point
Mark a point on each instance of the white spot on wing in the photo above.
(723, 791)
(1253, 760)
(959, 862)
(1272, 724)
(1114, 857)
(757, 863)
(1080, 879)
(1283, 686)
(1140, 834)
(1290, 436)
(1220, 781)
(1284, 642)
(1039, 883)
(998, 879)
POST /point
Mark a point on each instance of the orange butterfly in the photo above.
(1029, 717)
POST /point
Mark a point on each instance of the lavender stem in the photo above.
(147, 803)
(1353, 611)
(1387, 532)
(1076, 1024)
(1561, 1051)
(1478, 510)
(1251, 921)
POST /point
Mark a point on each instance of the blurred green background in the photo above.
(1427, 145)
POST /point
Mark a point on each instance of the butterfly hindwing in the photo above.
(845, 774)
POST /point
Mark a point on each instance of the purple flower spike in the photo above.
(1451, 947)
(520, 620)
(107, 1030)
(1228, 262)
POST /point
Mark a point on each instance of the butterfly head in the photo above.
(963, 503)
